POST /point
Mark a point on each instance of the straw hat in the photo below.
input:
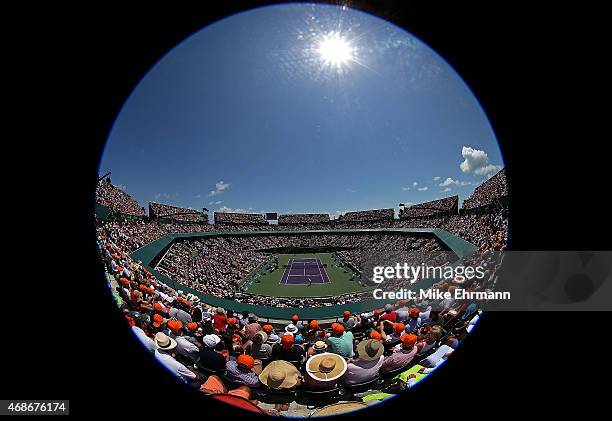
(370, 349)
(261, 334)
(326, 367)
(338, 408)
(280, 375)
(164, 342)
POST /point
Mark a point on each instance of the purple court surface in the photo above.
(304, 272)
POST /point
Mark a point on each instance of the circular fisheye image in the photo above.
(261, 190)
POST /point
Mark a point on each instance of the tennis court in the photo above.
(304, 272)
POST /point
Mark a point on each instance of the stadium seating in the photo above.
(441, 207)
(488, 192)
(154, 305)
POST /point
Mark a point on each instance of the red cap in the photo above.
(408, 339)
(157, 320)
(158, 307)
(142, 287)
(337, 328)
(398, 327)
(245, 360)
(287, 341)
(267, 328)
(295, 318)
(347, 313)
(414, 312)
(377, 312)
(232, 321)
(192, 326)
(375, 335)
(130, 321)
(314, 324)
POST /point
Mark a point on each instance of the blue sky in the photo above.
(253, 114)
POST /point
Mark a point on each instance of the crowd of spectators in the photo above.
(368, 215)
(303, 218)
(217, 350)
(232, 218)
(116, 199)
(445, 206)
(216, 265)
(489, 191)
(160, 210)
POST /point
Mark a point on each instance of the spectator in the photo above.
(340, 342)
(211, 353)
(258, 347)
(366, 366)
(166, 356)
(280, 375)
(241, 371)
(401, 356)
(324, 370)
(288, 350)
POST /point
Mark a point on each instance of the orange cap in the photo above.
(245, 360)
(232, 321)
(375, 335)
(414, 312)
(192, 326)
(267, 328)
(287, 341)
(158, 307)
(157, 320)
(175, 325)
(337, 328)
(377, 312)
(314, 324)
(408, 339)
(295, 318)
(398, 327)
(347, 313)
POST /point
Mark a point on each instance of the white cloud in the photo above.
(414, 184)
(476, 161)
(423, 188)
(219, 188)
(218, 202)
(351, 191)
(121, 187)
(437, 178)
(450, 181)
(198, 196)
(446, 190)
(236, 210)
(405, 188)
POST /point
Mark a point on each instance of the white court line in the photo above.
(321, 273)
(288, 274)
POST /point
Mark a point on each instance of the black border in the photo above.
(534, 70)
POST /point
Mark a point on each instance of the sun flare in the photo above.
(335, 50)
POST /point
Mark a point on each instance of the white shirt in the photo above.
(186, 348)
(148, 343)
(174, 366)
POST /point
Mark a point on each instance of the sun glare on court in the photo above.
(335, 50)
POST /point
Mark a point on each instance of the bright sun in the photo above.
(335, 50)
